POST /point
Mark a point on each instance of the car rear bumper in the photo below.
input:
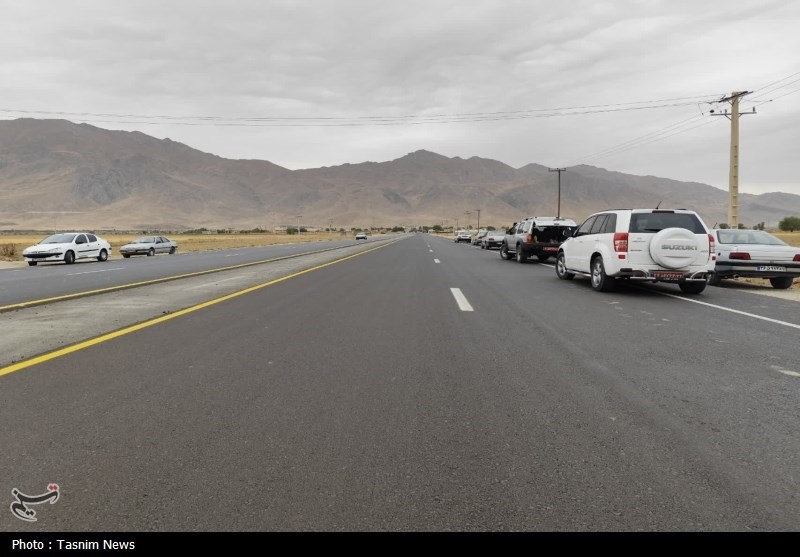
(662, 275)
(750, 269)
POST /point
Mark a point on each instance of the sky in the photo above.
(623, 85)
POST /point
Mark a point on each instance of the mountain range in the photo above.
(57, 174)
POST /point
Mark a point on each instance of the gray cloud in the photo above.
(352, 59)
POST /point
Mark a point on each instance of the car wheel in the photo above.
(504, 252)
(561, 268)
(32, 263)
(543, 258)
(172, 250)
(714, 279)
(126, 255)
(521, 257)
(103, 255)
(692, 287)
(151, 252)
(600, 280)
(69, 258)
(483, 246)
(781, 283)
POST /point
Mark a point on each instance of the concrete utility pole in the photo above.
(468, 213)
(478, 226)
(559, 170)
(733, 176)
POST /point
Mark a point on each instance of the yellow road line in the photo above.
(32, 303)
(109, 336)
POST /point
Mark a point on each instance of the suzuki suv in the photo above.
(640, 244)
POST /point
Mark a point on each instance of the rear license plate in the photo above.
(663, 275)
(554, 248)
(771, 268)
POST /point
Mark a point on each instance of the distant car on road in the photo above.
(67, 247)
(361, 236)
(150, 246)
(754, 253)
(463, 236)
(493, 239)
(476, 239)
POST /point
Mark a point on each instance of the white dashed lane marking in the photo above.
(461, 300)
(90, 272)
(436, 261)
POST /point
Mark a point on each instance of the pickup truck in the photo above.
(535, 236)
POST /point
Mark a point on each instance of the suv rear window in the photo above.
(656, 222)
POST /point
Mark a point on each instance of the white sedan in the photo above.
(149, 245)
(68, 247)
(754, 253)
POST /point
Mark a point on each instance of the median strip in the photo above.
(75, 295)
(148, 323)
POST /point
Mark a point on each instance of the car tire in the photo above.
(600, 280)
(32, 263)
(151, 252)
(714, 279)
(561, 268)
(69, 258)
(103, 255)
(504, 255)
(521, 257)
(483, 246)
(172, 250)
(126, 255)
(781, 283)
(692, 287)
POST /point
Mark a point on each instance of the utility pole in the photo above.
(559, 170)
(468, 213)
(478, 226)
(733, 176)
(298, 224)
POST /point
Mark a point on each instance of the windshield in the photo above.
(59, 239)
(748, 237)
(145, 240)
(656, 222)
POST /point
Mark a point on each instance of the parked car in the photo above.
(754, 253)
(68, 247)
(640, 244)
(462, 236)
(535, 236)
(493, 239)
(361, 236)
(476, 239)
(150, 246)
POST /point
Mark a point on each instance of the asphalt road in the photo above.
(360, 396)
(48, 280)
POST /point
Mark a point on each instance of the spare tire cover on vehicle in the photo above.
(674, 248)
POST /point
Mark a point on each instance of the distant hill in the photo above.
(54, 173)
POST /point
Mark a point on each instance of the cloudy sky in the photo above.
(624, 85)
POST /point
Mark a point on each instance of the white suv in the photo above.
(640, 244)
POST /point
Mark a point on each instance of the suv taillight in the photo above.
(743, 255)
(796, 257)
(621, 241)
(711, 253)
(529, 239)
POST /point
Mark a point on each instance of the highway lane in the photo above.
(360, 396)
(56, 279)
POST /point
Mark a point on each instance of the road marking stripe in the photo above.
(461, 300)
(430, 250)
(133, 328)
(90, 272)
(436, 261)
(31, 303)
(739, 312)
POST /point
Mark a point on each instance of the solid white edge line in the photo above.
(723, 308)
(90, 272)
(461, 300)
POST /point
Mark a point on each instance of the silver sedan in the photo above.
(149, 245)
